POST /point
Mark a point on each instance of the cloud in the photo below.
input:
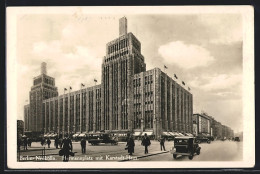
(61, 64)
(217, 87)
(222, 81)
(185, 56)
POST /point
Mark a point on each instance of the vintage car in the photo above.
(186, 146)
(98, 138)
(237, 139)
(200, 139)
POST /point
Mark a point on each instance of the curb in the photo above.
(30, 150)
(145, 156)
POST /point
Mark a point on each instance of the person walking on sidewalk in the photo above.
(146, 142)
(29, 141)
(48, 142)
(66, 147)
(56, 142)
(131, 145)
(162, 140)
(83, 145)
(25, 143)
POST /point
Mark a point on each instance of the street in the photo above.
(216, 151)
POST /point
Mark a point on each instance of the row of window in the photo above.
(148, 80)
(116, 56)
(118, 46)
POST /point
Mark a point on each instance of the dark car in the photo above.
(237, 139)
(201, 139)
(102, 138)
(186, 146)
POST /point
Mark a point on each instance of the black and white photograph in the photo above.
(130, 87)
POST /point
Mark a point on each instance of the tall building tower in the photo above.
(123, 59)
(43, 88)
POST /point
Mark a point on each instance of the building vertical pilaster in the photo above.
(119, 96)
(87, 110)
(54, 115)
(94, 109)
(45, 116)
(63, 118)
(166, 103)
(74, 125)
(68, 129)
(80, 111)
(58, 116)
(171, 116)
(49, 116)
(110, 98)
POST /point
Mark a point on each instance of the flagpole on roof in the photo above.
(82, 85)
(165, 67)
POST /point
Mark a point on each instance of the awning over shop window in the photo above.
(75, 135)
(148, 133)
(137, 133)
(166, 133)
(189, 134)
(82, 135)
(122, 135)
(206, 135)
(174, 134)
(53, 135)
(180, 134)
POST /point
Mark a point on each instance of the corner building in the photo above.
(128, 100)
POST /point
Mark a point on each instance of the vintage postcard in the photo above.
(130, 87)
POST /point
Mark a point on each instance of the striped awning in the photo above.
(82, 135)
(166, 133)
(180, 134)
(174, 134)
(75, 135)
(189, 134)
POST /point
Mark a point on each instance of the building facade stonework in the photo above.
(129, 98)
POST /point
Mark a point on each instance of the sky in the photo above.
(203, 50)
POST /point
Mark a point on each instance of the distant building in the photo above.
(201, 124)
(43, 88)
(129, 99)
(217, 130)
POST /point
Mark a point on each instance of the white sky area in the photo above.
(203, 50)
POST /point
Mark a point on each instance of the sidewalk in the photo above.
(146, 155)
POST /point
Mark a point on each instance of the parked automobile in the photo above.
(186, 146)
(103, 138)
(200, 139)
(237, 139)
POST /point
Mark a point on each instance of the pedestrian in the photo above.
(19, 143)
(48, 142)
(25, 144)
(42, 141)
(56, 142)
(29, 142)
(83, 145)
(146, 142)
(162, 140)
(66, 147)
(130, 145)
(60, 142)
